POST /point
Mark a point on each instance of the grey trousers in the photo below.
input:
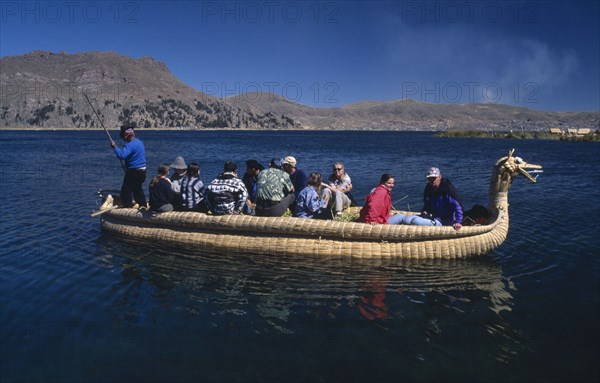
(274, 209)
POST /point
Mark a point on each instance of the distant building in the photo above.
(572, 131)
(556, 131)
(583, 131)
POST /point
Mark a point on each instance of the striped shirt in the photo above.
(191, 192)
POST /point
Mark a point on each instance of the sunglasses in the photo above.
(338, 169)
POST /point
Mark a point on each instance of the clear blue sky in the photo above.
(537, 54)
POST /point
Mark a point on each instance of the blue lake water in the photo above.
(78, 305)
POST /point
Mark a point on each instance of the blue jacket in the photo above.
(133, 153)
(299, 181)
(308, 203)
(443, 203)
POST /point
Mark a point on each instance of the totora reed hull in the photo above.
(281, 236)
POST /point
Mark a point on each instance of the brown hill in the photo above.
(414, 115)
(45, 89)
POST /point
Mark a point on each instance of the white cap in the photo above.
(433, 172)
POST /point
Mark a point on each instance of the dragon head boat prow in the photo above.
(506, 169)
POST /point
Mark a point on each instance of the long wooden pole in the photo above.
(106, 130)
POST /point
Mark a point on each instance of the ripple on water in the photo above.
(58, 267)
(236, 276)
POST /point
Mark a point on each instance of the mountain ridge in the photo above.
(43, 89)
(409, 114)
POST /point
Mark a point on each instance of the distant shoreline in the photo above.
(140, 129)
(521, 135)
(525, 135)
(11, 128)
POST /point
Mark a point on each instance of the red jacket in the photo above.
(377, 207)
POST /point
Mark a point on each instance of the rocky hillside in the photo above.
(414, 115)
(44, 89)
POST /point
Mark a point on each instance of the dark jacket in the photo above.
(161, 194)
(226, 194)
(443, 202)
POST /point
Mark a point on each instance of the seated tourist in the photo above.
(297, 176)
(192, 197)
(441, 204)
(179, 168)
(161, 194)
(308, 204)
(378, 204)
(335, 192)
(274, 191)
(250, 178)
(226, 194)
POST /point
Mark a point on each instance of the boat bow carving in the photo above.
(505, 171)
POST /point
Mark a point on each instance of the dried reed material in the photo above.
(280, 236)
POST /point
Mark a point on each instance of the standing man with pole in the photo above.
(134, 155)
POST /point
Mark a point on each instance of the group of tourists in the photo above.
(270, 192)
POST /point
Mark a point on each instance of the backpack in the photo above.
(477, 215)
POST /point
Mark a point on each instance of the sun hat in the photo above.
(289, 160)
(433, 172)
(179, 163)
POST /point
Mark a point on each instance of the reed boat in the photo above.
(281, 236)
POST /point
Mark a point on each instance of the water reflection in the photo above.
(440, 302)
(292, 278)
(371, 302)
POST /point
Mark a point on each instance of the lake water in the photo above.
(78, 305)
